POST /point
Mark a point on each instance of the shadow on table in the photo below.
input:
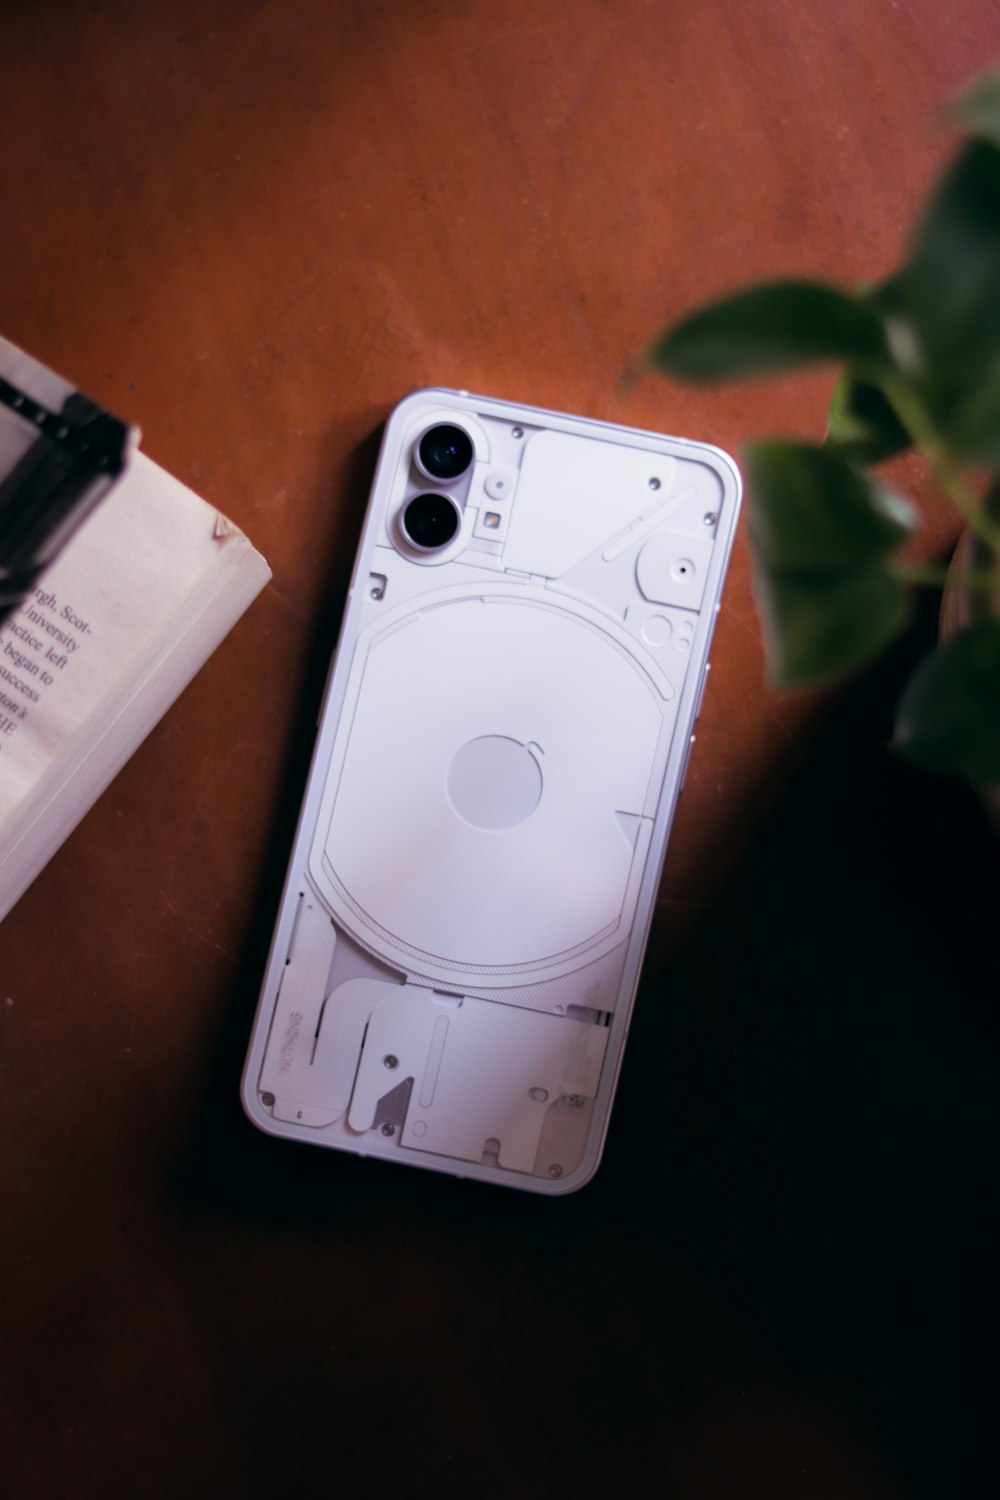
(792, 1196)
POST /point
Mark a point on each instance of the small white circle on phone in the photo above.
(494, 782)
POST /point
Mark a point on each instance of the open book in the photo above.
(103, 643)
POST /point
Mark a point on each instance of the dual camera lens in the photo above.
(444, 452)
(432, 520)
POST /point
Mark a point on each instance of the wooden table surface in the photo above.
(250, 228)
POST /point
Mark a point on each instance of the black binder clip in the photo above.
(71, 461)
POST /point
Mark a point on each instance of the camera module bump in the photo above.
(444, 452)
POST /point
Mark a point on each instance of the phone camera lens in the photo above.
(445, 452)
(431, 521)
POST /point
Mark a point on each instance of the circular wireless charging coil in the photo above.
(493, 745)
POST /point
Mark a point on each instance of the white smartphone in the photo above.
(503, 740)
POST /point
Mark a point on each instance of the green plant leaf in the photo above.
(949, 718)
(942, 310)
(819, 533)
(978, 108)
(776, 326)
(818, 626)
(970, 418)
(952, 283)
(810, 511)
(861, 424)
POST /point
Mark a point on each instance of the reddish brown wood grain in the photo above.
(251, 228)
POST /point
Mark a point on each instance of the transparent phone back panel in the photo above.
(504, 737)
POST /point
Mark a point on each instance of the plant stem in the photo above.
(914, 416)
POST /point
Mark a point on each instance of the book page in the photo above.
(129, 568)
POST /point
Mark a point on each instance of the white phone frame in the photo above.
(503, 739)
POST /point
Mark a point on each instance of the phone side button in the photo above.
(701, 690)
(684, 767)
